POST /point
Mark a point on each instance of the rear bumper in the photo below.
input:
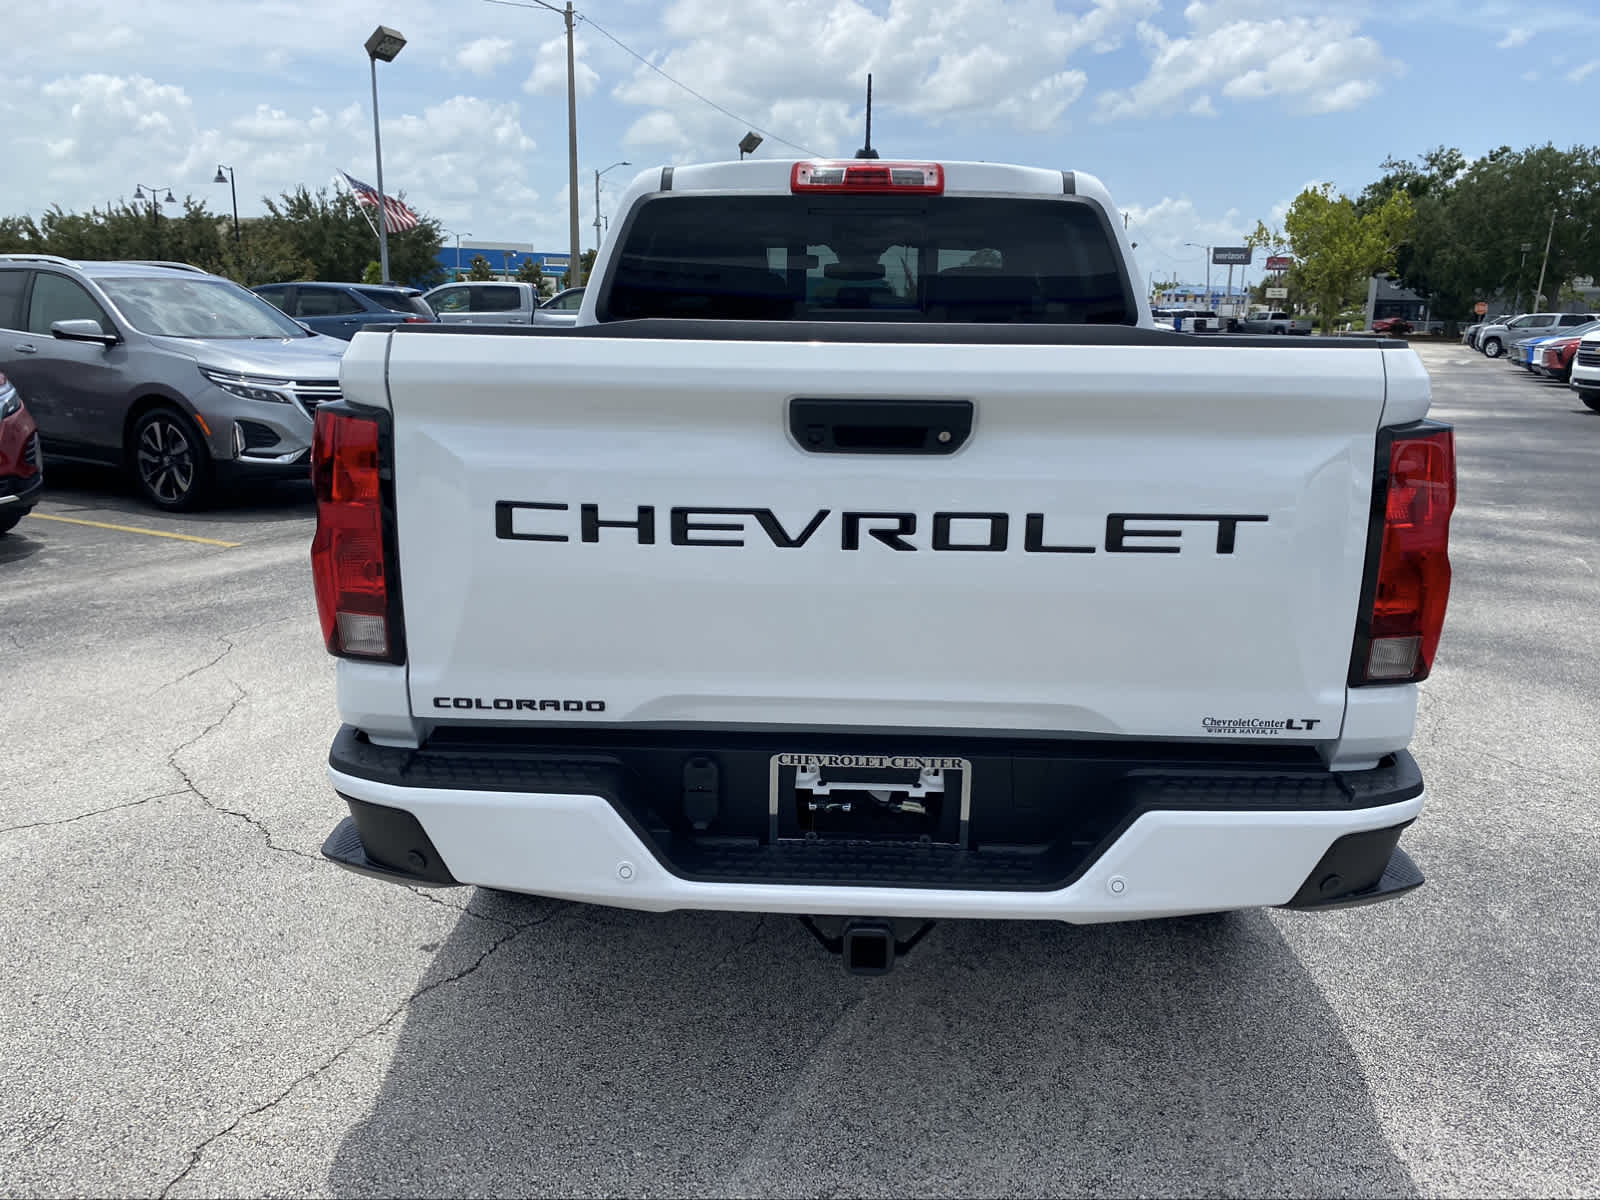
(566, 835)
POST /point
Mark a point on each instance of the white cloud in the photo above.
(549, 76)
(1202, 106)
(1579, 74)
(799, 70)
(1318, 63)
(484, 55)
(1162, 229)
(465, 158)
(1519, 36)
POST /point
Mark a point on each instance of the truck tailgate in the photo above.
(1152, 541)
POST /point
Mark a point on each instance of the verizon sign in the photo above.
(1230, 256)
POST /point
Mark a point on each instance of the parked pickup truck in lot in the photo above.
(1262, 321)
(865, 552)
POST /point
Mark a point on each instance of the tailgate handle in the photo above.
(880, 426)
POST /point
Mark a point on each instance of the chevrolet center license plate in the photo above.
(870, 797)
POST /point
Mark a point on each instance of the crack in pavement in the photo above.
(428, 894)
(198, 1152)
(214, 806)
(96, 812)
(227, 649)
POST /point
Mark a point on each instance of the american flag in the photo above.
(400, 217)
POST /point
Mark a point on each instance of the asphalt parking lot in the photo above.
(193, 1003)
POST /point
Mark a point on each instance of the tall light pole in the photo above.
(1522, 266)
(235, 191)
(384, 43)
(597, 174)
(458, 237)
(155, 211)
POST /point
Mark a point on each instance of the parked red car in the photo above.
(21, 473)
(1555, 358)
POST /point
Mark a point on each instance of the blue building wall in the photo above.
(503, 260)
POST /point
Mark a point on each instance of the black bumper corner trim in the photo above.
(1359, 868)
(375, 841)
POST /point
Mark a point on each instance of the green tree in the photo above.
(17, 235)
(1338, 248)
(585, 265)
(1472, 221)
(331, 233)
(531, 272)
(480, 269)
(373, 273)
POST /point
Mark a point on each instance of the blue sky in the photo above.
(1200, 117)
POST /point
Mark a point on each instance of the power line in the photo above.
(626, 49)
(676, 83)
(514, 4)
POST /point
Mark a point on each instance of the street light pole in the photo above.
(384, 43)
(1552, 232)
(458, 237)
(383, 208)
(1516, 304)
(597, 174)
(155, 211)
(235, 192)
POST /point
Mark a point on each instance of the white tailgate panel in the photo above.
(817, 635)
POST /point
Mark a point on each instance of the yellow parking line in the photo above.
(181, 537)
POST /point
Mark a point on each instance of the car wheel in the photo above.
(169, 461)
(8, 521)
(1492, 347)
(1590, 400)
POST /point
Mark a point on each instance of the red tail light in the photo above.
(870, 176)
(418, 321)
(1412, 584)
(350, 557)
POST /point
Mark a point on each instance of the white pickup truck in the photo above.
(865, 552)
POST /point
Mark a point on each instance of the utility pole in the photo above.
(572, 142)
(572, 155)
(1540, 293)
(1516, 304)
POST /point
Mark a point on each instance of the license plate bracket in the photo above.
(904, 798)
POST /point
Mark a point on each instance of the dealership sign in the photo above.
(1277, 293)
(1230, 256)
(1279, 262)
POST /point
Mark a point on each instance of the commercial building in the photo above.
(504, 259)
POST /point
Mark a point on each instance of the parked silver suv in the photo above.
(183, 378)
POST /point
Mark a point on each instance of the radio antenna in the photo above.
(866, 150)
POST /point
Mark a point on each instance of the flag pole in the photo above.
(360, 207)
